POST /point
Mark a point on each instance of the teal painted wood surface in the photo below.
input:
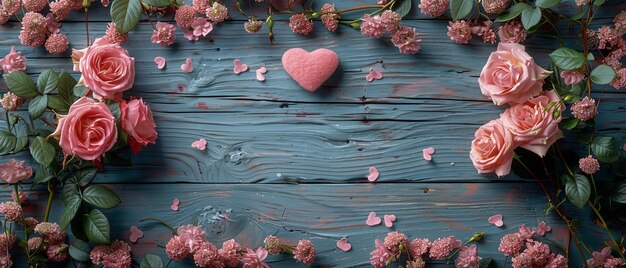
(284, 161)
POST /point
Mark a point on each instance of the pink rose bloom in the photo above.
(138, 122)
(88, 130)
(192, 236)
(533, 125)
(255, 259)
(108, 69)
(572, 77)
(14, 171)
(492, 148)
(14, 61)
(511, 75)
(201, 26)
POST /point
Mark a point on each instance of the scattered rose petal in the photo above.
(188, 66)
(373, 176)
(199, 144)
(496, 220)
(427, 153)
(160, 62)
(135, 234)
(175, 204)
(624, 146)
(543, 228)
(259, 74)
(239, 68)
(343, 244)
(389, 219)
(373, 74)
(372, 220)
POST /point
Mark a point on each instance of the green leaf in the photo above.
(619, 194)
(47, 81)
(598, 2)
(37, 106)
(569, 123)
(151, 261)
(20, 84)
(42, 151)
(530, 17)
(577, 189)
(603, 74)
(79, 250)
(157, 3)
(21, 143)
(513, 12)
(80, 91)
(96, 226)
(101, 196)
(590, 57)
(605, 149)
(57, 104)
(66, 85)
(567, 58)
(579, 15)
(460, 8)
(125, 14)
(115, 110)
(485, 262)
(547, 3)
(403, 7)
(85, 176)
(42, 175)
(7, 142)
(77, 227)
(72, 202)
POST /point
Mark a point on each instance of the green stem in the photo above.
(161, 222)
(8, 123)
(49, 205)
(606, 227)
(558, 149)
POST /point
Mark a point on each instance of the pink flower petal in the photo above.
(199, 144)
(427, 153)
(175, 204)
(372, 220)
(373, 176)
(343, 244)
(543, 228)
(259, 74)
(496, 220)
(160, 62)
(187, 67)
(389, 219)
(373, 74)
(135, 234)
(239, 68)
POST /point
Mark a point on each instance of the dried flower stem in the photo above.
(49, 205)
(606, 227)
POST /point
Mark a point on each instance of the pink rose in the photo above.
(108, 69)
(88, 130)
(532, 124)
(492, 148)
(14, 61)
(511, 75)
(14, 171)
(138, 122)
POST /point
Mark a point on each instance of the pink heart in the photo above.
(389, 219)
(496, 220)
(427, 153)
(259, 74)
(343, 244)
(199, 144)
(372, 220)
(187, 67)
(543, 228)
(160, 62)
(175, 204)
(310, 69)
(373, 174)
(135, 234)
(239, 68)
(373, 74)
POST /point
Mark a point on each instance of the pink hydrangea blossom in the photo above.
(584, 109)
(193, 236)
(441, 247)
(255, 259)
(14, 61)
(329, 17)
(613, 262)
(116, 255)
(11, 6)
(394, 240)
(526, 233)
(51, 232)
(417, 262)
(372, 27)
(433, 8)
(52, 25)
(207, 255)
(35, 243)
(538, 252)
(572, 77)
(522, 261)
(33, 31)
(607, 37)
(460, 31)
(57, 252)
(184, 16)
(406, 39)
(419, 247)
(589, 165)
(5, 260)
(300, 24)
(391, 20)
(30, 222)
(57, 44)
(620, 79)
(229, 253)
(201, 27)
(201, 5)
(380, 255)
(495, 6)
(164, 34)
(217, 12)
(113, 36)
(512, 32)
(12, 211)
(176, 249)
(510, 244)
(60, 9)
(252, 25)
(10, 102)
(468, 257)
(4, 15)
(273, 244)
(34, 5)
(305, 252)
(557, 261)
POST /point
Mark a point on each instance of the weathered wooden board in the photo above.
(326, 213)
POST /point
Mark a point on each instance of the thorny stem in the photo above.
(148, 16)
(606, 228)
(49, 205)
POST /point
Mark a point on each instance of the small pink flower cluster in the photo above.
(14, 171)
(461, 31)
(611, 40)
(116, 255)
(14, 61)
(433, 8)
(396, 244)
(52, 241)
(6, 243)
(193, 26)
(405, 38)
(604, 259)
(304, 251)
(535, 253)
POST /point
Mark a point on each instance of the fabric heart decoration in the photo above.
(496, 220)
(199, 144)
(343, 244)
(310, 69)
(428, 153)
(373, 75)
(373, 220)
(135, 234)
(187, 66)
(175, 204)
(373, 176)
(259, 74)
(160, 62)
(239, 68)
(389, 219)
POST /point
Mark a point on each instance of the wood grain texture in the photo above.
(326, 213)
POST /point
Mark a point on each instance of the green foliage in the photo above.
(577, 189)
(151, 261)
(530, 17)
(79, 250)
(513, 12)
(619, 194)
(72, 202)
(485, 262)
(126, 14)
(569, 123)
(157, 3)
(602, 74)
(605, 149)
(101, 196)
(42, 151)
(460, 8)
(7, 142)
(96, 227)
(20, 84)
(403, 7)
(37, 106)
(567, 58)
(47, 82)
(547, 3)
